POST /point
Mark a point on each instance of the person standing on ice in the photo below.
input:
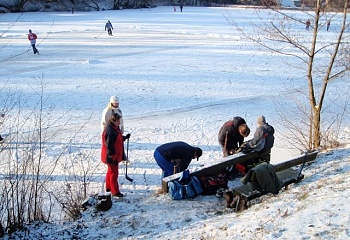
(232, 134)
(32, 38)
(112, 107)
(175, 157)
(307, 25)
(112, 152)
(328, 24)
(109, 28)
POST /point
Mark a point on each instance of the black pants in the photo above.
(110, 32)
(34, 49)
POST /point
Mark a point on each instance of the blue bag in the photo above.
(185, 187)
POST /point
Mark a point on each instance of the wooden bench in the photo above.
(221, 165)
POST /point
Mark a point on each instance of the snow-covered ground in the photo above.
(179, 76)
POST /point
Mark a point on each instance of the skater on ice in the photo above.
(32, 38)
(109, 28)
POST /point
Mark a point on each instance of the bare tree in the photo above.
(27, 192)
(323, 60)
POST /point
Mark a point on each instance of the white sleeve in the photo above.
(121, 126)
(104, 118)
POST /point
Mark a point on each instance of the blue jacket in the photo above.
(177, 150)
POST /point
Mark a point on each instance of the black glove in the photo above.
(246, 149)
(109, 160)
(127, 136)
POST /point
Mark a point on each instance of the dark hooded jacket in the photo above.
(177, 150)
(263, 178)
(230, 129)
(263, 138)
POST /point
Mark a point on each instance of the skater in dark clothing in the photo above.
(175, 157)
(307, 25)
(328, 24)
(32, 38)
(181, 7)
(1, 138)
(109, 28)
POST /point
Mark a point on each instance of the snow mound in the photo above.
(92, 61)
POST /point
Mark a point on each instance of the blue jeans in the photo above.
(165, 165)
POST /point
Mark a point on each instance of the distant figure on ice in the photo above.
(307, 24)
(72, 10)
(175, 157)
(112, 107)
(174, 8)
(181, 7)
(328, 24)
(32, 38)
(109, 28)
(232, 134)
(1, 138)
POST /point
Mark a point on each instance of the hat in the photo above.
(261, 120)
(198, 152)
(114, 99)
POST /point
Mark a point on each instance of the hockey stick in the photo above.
(126, 162)
(99, 34)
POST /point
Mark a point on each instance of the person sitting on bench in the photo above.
(262, 143)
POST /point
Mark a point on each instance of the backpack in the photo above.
(185, 187)
(210, 184)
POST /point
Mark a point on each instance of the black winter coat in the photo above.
(230, 129)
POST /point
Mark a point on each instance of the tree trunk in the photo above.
(316, 138)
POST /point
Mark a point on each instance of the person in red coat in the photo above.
(32, 38)
(112, 153)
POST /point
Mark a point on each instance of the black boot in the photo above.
(229, 198)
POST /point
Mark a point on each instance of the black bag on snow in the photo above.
(210, 184)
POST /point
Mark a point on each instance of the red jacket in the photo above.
(112, 144)
(32, 36)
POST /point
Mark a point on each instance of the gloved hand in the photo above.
(246, 149)
(127, 136)
(109, 160)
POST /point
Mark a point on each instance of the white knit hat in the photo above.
(261, 119)
(114, 99)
